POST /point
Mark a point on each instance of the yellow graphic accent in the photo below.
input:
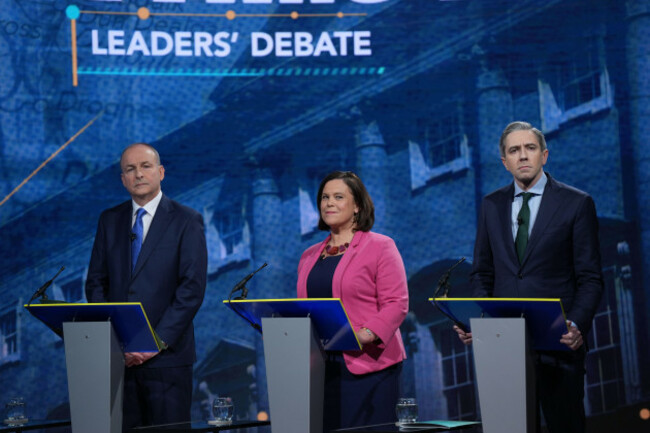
(144, 13)
(234, 301)
(73, 43)
(83, 304)
(498, 299)
(44, 163)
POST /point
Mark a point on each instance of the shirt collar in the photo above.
(150, 207)
(537, 189)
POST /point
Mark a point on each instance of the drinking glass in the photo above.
(223, 409)
(407, 410)
(15, 412)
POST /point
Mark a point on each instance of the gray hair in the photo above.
(521, 126)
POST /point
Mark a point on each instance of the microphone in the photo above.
(133, 237)
(244, 292)
(444, 282)
(41, 290)
(242, 284)
(520, 220)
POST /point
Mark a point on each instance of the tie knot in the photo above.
(140, 213)
(526, 196)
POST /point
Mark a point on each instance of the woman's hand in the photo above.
(366, 336)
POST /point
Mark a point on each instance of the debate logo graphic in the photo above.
(222, 38)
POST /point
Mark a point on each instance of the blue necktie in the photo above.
(136, 244)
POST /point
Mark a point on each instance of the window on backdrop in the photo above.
(440, 147)
(577, 79)
(576, 84)
(9, 335)
(458, 376)
(309, 204)
(227, 234)
(442, 138)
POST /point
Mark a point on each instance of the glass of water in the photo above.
(407, 410)
(223, 409)
(15, 412)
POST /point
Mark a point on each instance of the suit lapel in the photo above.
(547, 209)
(505, 222)
(123, 233)
(162, 218)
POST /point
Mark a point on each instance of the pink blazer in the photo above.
(371, 282)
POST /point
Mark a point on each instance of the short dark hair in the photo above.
(520, 126)
(140, 143)
(365, 219)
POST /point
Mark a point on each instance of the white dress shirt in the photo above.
(148, 216)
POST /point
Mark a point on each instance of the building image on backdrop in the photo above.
(248, 152)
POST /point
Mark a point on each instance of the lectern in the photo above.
(296, 334)
(95, 338)
(504, 330)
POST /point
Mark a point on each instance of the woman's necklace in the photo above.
(334, 250)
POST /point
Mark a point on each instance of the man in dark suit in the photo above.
(538, 238)
(152, 250)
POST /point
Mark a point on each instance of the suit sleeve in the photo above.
(587, 266)
(482, 274)
(392, 294)
(192, 276)
(97, 281)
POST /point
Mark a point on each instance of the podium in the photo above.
(95, 337)
(296, 333)
(504, 333)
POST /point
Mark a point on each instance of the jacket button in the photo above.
(521, 276)
(132, 292)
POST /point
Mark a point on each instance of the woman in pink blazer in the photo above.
(366, 272)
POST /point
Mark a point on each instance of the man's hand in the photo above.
(573, 338)
(138, 358)
(465, 337)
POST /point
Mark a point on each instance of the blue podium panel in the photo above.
(328, 316)
(129, 321)
(545, 318)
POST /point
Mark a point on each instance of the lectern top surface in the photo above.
(498, 299)
(545, 318)
(129, 321)
(328, 316)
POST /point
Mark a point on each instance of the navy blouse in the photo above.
(319, 281)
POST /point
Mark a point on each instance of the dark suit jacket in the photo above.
(169, 278)
(562, 258)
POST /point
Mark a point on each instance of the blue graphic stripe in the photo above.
(244, 72)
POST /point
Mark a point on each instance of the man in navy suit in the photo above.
(538, 238)
(152, 250)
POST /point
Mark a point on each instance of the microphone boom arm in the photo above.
(444, 282)
(41, 290)
(242, 286)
